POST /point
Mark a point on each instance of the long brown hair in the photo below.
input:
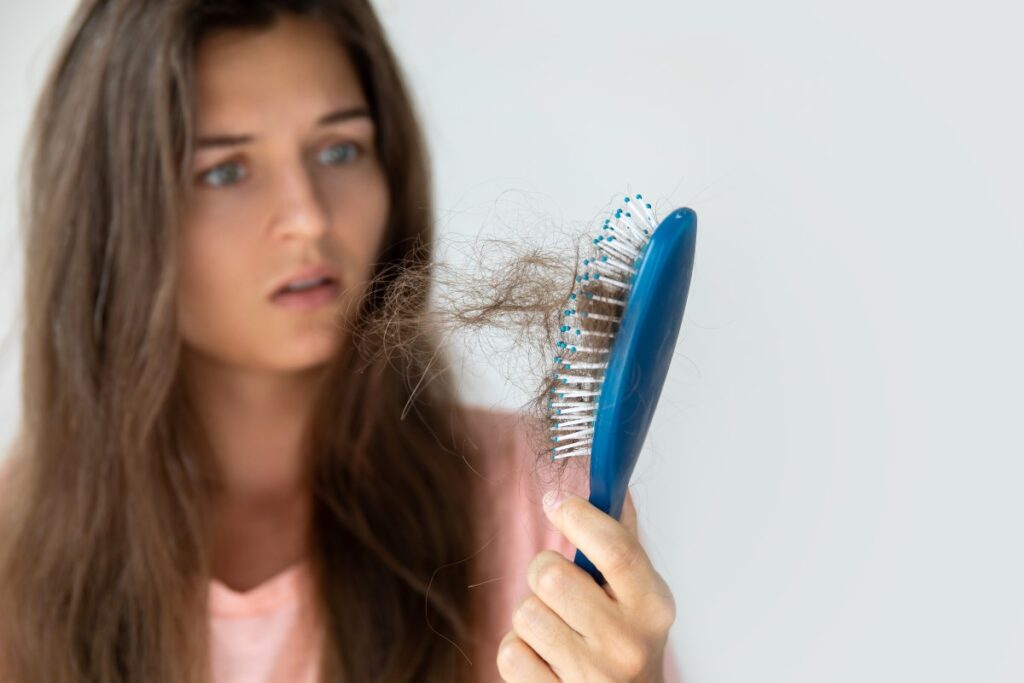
(102, 557)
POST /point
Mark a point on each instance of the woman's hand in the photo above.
(571, 629)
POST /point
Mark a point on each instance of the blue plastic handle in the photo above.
(639, 361)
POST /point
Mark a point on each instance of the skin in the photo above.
(298, 194)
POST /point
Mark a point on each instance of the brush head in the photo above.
(616, 342)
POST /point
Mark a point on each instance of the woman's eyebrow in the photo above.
(327, 119)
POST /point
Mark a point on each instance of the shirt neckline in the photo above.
(273, 594)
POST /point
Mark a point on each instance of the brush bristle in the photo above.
(590, 321)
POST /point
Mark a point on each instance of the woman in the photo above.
(216, 480)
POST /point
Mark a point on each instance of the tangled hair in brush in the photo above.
(516, 287)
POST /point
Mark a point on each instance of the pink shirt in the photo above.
(267, 634)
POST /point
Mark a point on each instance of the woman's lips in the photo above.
(307, 274)
(308, 299)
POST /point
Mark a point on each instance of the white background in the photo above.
(832, 480)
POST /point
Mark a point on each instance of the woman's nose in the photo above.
(301, 210)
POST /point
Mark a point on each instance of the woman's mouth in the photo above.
(306, 295)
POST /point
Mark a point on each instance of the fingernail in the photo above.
(552, 499)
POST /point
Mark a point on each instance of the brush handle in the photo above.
(638, 363)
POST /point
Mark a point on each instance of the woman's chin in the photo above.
(309, 351)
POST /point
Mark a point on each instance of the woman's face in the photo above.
(277, 189)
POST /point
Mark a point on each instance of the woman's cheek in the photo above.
(210, 291)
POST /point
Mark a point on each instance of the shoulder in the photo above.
(509, 449)
(492, 431)
(511, 474)
(512, 471)
(488, 440)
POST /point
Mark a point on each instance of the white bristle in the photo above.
(579, 368)
(617, 283)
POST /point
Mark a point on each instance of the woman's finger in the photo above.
(628, 516)
(551, 638)
(608, 544)
(571, 593)
(518, 663)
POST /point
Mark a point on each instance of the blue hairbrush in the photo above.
(615, 346)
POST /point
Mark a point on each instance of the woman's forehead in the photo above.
(295, 70)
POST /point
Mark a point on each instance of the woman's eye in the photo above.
(231, 172)
(218, 171)
(339, 154)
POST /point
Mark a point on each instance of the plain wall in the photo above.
(832, 480)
